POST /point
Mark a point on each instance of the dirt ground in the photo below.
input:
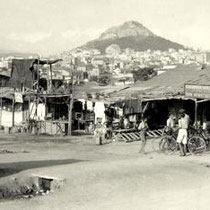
(112, 176)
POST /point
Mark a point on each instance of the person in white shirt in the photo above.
(182, 134)
(170, 124)
(126, 123)
(186, 116)
(170, 121)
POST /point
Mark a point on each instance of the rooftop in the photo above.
(168, 84)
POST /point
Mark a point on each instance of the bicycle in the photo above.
(196, 141)
(168, 141)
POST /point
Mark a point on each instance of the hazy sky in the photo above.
(50, 26)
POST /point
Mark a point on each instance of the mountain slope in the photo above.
(136, 43)
(132, 35)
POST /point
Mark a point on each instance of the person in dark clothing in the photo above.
(121, 123)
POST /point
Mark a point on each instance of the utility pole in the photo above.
(71, 97)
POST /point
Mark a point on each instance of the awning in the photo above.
(43, 62)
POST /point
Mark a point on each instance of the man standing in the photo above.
(182, 134)
(186, 116)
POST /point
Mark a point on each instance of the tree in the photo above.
(143, 74)
(103, 80)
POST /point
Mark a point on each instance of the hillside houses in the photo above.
(95, 64)
(52, 93)
(90, 65)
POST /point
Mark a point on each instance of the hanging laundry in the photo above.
(99, 111)
(41, 111)
(90, 105)
(83, 103)
(22, 73)
(18, 97)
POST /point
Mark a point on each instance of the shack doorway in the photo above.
(58, 107)
(157, 111)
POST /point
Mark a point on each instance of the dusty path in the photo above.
(113, 176)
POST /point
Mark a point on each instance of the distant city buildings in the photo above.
(116, 66)
(122, 63)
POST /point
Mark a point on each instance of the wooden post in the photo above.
(38, 74)
(50, 76)
(145, 107)
(13, 110)
(29, 111)
(85, 115)
(36, 107)
(196, 113)
(45, 104)
(71, 105)
(70, 115)
(204, 113)
(28, 128)
(1, 111)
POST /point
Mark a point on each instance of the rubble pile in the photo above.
(33, 186)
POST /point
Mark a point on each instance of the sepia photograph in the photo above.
(104, 105)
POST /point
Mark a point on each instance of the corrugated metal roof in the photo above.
(170, 83)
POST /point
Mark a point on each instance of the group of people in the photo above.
(101, 130)
(183, 125)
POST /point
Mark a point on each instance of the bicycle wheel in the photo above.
(155, 144)
(173, 146)
(196, 145)
(168, 144)
(162, 143)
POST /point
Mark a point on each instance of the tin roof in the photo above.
(168, 84)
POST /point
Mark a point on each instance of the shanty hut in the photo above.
(167, 93)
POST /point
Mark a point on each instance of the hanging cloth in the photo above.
(22, 73)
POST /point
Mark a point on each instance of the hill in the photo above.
(133, 35)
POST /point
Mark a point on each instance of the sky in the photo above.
(52, 26)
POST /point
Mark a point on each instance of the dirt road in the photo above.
(112, 176)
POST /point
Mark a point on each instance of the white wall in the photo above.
(6, 115)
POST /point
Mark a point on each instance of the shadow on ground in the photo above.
(7, 169)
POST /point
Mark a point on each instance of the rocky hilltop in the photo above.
(132, 35)
(128, 29)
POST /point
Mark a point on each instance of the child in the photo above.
(143, 127)
(99, 132)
